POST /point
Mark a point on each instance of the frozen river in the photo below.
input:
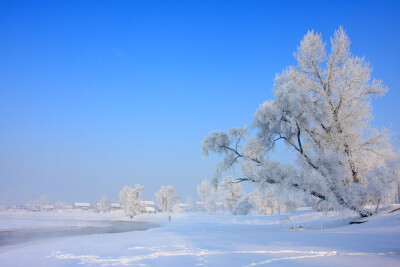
(23, 235)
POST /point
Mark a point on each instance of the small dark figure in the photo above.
(169, 217)
(131, 217)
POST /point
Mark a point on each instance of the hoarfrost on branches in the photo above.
(209, 195)
(321, 112)
(190, 204)
(233, 192)
(244, 206)
(105, 204)
(269, 201)
(166, 199)
(123, 197)
(203, 189)
(129, 199)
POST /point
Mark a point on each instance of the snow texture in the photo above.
(304, 238)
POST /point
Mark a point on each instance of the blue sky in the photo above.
(96, 95)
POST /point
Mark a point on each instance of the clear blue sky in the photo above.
(96, 95)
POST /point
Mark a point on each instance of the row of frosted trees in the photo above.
(130, 200)
(229, 196)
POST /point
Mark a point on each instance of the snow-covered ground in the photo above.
(305, 238)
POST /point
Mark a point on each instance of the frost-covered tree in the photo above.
(129, 199)
(385, 184)
(166, 198)
(213, 199)
(260, 201)
(123, 197)
(233, 192)
(244, 206)
(190, 204)
(393, 168)
(321, 111)
(177, 208)
(290, 206)
(134, 200)
(203, 190)
(266, 201)
(209, 195)
(105, 204)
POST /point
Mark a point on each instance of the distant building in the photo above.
(115, 206)
(148, 203)
(29, 207)
(184, 207)
(82, 206)
(47, 208)
(149, 206)
(149, 210)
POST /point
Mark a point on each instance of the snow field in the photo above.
(197, 239)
